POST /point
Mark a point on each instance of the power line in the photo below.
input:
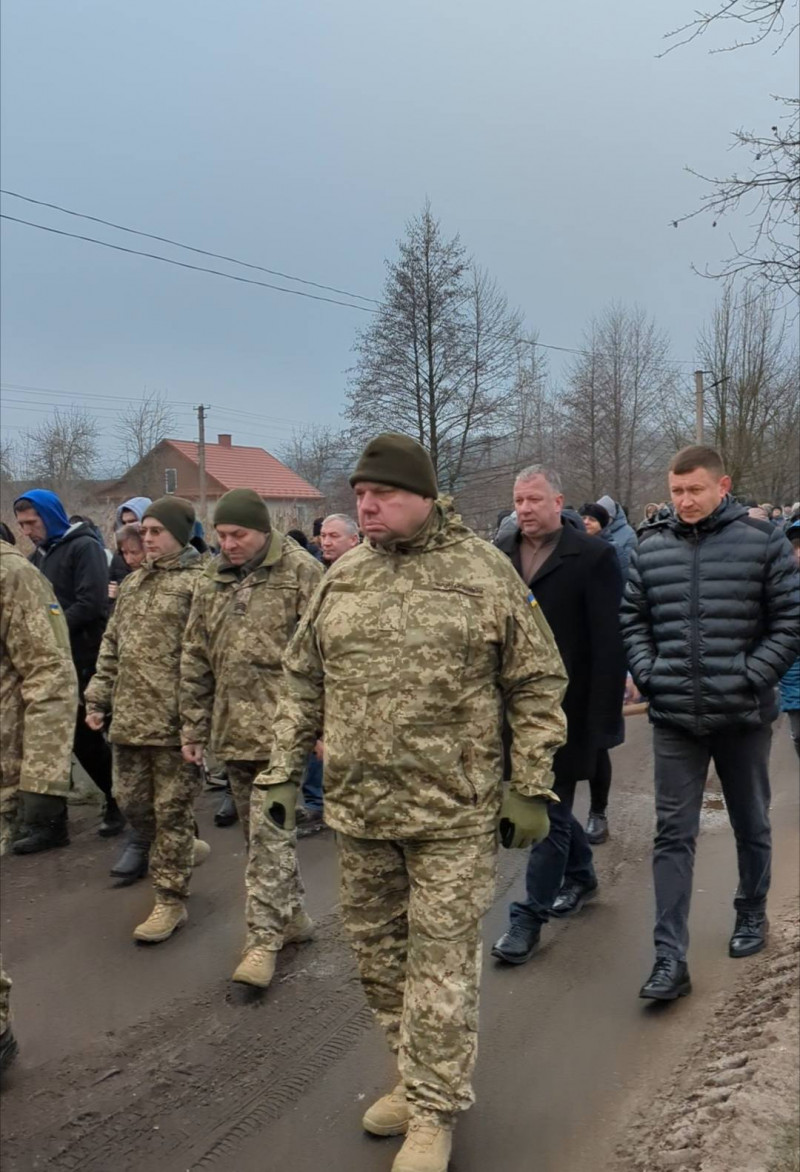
(188, 247)
(182, 264)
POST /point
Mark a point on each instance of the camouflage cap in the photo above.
(397, 460)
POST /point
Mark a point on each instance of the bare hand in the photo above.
(95, 720)
(319, 750)
(113, 587)
(192, 754)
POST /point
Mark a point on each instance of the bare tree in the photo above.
(752, 409)
(140, 427)
(438, 361)
(317, 453)
(768, 191)
(63, 450)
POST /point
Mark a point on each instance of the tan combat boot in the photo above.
(201, 852)
(299, 929)
(426, 1148)
(164, 919)
(257, 967)
(389, 1115)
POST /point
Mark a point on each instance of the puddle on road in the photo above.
(714, 812)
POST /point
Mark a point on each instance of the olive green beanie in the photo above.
(175, 514)
(244, 507)
(397, 460)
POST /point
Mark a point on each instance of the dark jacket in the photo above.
(618, 533)
(711, 619)
(579, 589)
(77, 568)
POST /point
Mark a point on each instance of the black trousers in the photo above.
(600, 783)
(681, 767)
(93, 753)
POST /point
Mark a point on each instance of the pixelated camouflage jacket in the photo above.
(38, 685)
(138, 668)
(238, 632)
(407, 656)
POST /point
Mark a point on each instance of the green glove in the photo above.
(279, 802)
(523, 821)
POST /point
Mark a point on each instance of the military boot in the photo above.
(45, 824)
(8, 1049)
(164, 919)
(132, 864)
(299, 929)
(257, 967)
(426, 1149)
(389, 1115)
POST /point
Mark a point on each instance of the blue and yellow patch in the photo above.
(54, 608)
(531, 599)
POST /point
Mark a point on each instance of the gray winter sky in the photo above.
(302, 136)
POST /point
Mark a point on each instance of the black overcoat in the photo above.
(579, 589)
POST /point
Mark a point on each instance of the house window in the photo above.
(170, 480)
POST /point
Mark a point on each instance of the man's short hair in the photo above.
(697, 456)
(549, 474)
(348, 524)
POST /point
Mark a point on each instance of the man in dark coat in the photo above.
(75, 564)
(578, 585)
(711, 620)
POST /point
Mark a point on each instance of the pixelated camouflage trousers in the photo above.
(241, 775)
(272, 878)
(156, 790)
(413, 910)
(5, 989)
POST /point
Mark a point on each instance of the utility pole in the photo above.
(699, 406)
(201, 459)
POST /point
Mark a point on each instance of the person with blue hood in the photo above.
(619, 533)
(130, 512)
(75, 564)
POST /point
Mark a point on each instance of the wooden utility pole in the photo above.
(698, 406)
(201, 459)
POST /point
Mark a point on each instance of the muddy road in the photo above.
(138, 1059)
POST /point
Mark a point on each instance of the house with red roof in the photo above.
(173, 467)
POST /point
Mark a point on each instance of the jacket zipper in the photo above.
(695, 619)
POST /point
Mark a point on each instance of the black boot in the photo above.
(226, 815)
(749, 935)
(668, 980)
(517, 944)
(8, 1049)
(132, 864)
(44, 824)
(113, 819)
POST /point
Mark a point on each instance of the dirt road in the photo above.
(137, 1060)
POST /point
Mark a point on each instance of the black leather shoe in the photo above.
(571, 899)
(668, 980)
(226, 815)
(45, 824)
(309, 822)
(132, 864)
(517, 944)
(113, 822)
(597, 829)
(749, 935)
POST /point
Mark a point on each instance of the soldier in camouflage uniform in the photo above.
(137, 681)
(38, 699)
(38, 706)
(409, 651)
(245, 610)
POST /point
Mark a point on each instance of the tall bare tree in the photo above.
(63, 450)
(768, 191)
(141, 426)
(752, 409)
(437, 363)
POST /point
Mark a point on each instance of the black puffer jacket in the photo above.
(711, 619)
(77, 568)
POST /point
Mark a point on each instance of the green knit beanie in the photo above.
(175, 514)
(243, 506)
(399, 461)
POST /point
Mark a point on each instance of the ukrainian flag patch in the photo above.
(531, 599)
(54, 608)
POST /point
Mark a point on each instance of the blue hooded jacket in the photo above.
(50, 509)
(137, 505)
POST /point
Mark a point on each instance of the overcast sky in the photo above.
(302, 136)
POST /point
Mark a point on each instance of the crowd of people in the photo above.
(431, 694)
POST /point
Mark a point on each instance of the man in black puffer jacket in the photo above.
(711, 621)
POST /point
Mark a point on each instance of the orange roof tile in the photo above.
(244, 467)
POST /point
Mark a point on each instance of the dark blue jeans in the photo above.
(681, 767)
(565, 855)
(312, 785)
